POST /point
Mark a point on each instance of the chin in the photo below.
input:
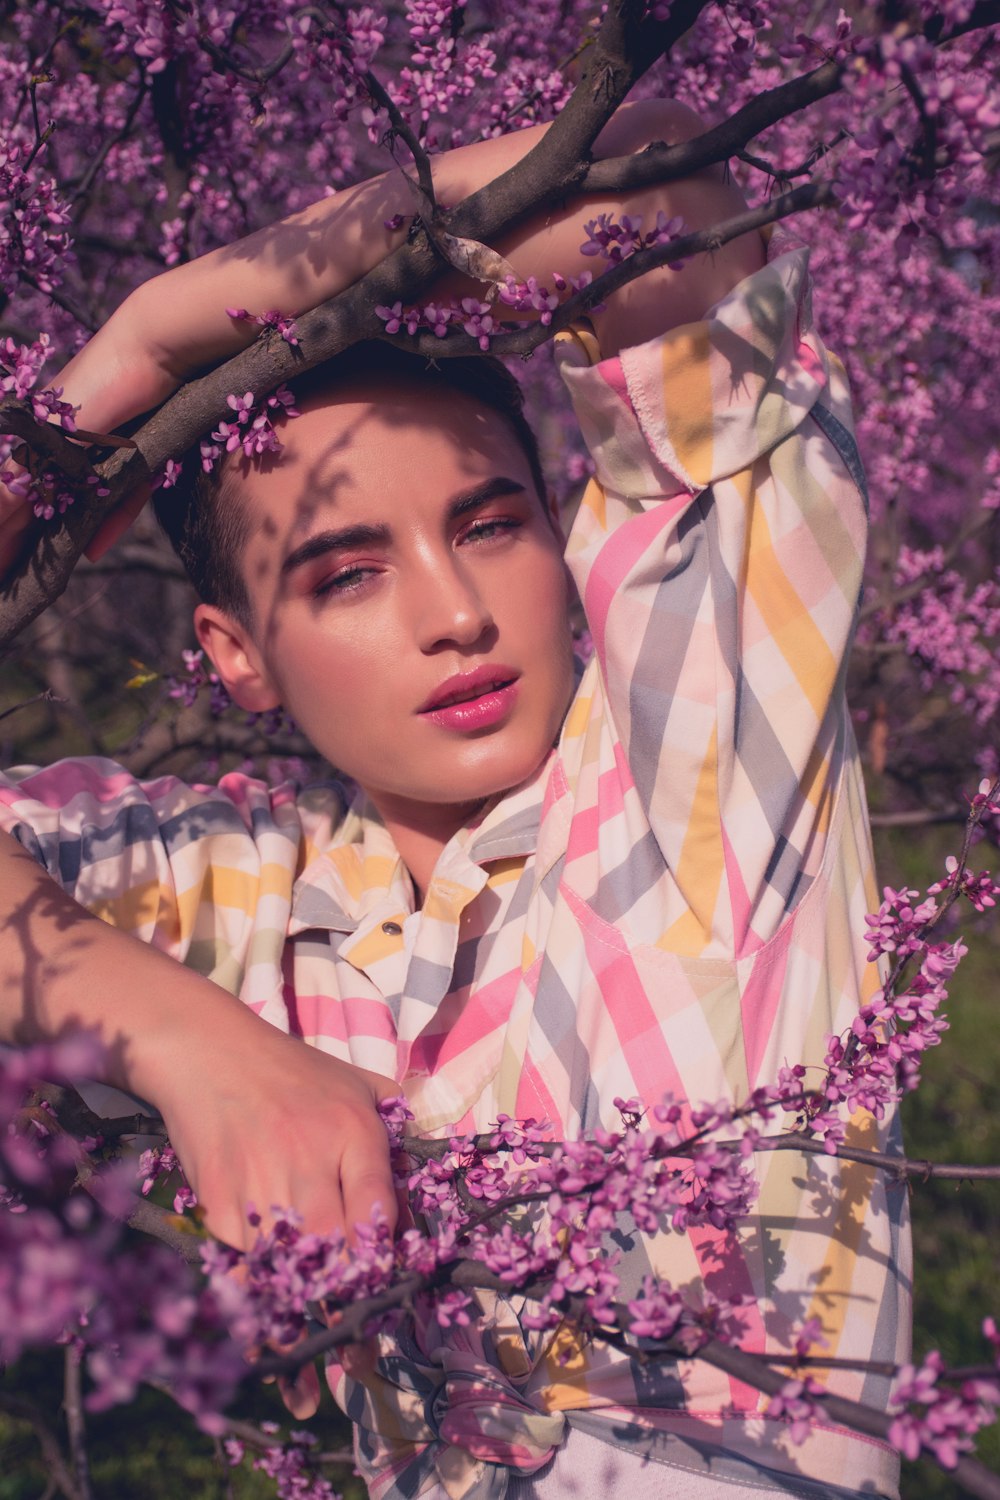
(507, 772)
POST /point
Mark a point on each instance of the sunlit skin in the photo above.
(398, 542)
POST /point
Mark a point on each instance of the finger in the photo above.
(300, 1392)
(381, 1087)
(357, 1360)
(366, 1184)
(117, 523)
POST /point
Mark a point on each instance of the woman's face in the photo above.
(409, 595)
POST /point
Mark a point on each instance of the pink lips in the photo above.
(473, 700)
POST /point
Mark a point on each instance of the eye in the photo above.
(347, 581)
(488, 528)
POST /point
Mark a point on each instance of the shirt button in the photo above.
(391, 929)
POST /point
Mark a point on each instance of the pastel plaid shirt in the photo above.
(674, 902)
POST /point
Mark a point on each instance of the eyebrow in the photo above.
(346, 538)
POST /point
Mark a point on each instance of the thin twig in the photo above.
(73, 1404)
(894, 1166)
(400, 128)
(47, 696)
(87, 182)
(177, 1233)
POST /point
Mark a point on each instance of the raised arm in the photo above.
(176, 323)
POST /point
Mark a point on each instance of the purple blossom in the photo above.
(797, 1404)
(478, 321)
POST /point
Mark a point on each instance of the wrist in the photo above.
(200, 1036)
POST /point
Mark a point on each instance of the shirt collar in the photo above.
(362, 873)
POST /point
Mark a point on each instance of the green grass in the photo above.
(955, 1116)
(150, 1450)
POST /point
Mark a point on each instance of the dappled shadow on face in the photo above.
(400, 539)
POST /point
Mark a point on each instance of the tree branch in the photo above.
(755, 1370)
(976, 1478)
(525, 340)
(895, 1166)
(622, 51)
(661, 163)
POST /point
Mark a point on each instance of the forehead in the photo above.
(372, 451)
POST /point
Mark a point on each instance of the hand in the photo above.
(276, 1123)
(255, 1115)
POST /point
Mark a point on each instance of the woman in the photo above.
(543, 895)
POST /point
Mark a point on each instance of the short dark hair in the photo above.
(208, 529)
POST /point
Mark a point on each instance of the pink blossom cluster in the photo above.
(64, 1270)
(477, 318)
(797, 1403)
(252, 428)
(162, 1161)
(198, 678)
(474, 1197)
(951, 630)
(878, 1059)
(445, 68)
(291, 1465)
(21, 365)
(616, 237)
(281, 323)
(34, 234)
(937, 1418)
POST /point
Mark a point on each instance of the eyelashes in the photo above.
(354, 577)
(346, 581)
(491, 526)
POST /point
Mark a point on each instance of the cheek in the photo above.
(540, 602)
(538, 609)
(336, 682)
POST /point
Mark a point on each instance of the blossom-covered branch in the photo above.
(558, 166)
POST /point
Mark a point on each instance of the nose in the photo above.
(448, 606)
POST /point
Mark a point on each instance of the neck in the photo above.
(420, 831)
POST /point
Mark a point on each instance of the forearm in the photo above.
(177, 322)
(62, 968)
(255, 1115)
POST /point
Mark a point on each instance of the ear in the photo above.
(236, 659)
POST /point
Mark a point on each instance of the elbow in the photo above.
(645, 122)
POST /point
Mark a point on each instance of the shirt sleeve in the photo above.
(192, 870)
(718, 552)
